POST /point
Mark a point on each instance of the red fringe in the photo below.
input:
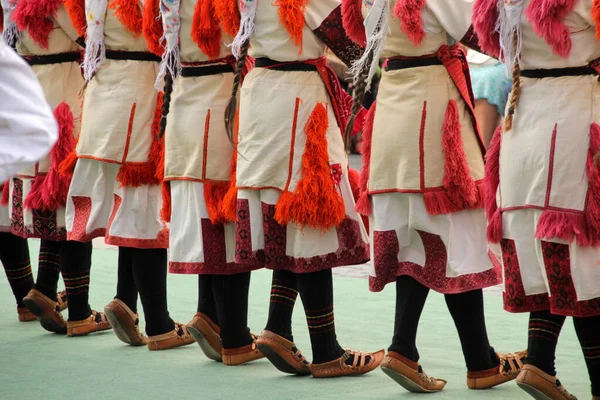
(562, 225)
(34, 198)
(206, 31)
(596, 16)
(353, 21)
(152, 26)
(363, 204)
(592, 212)
(485, 16)
(5, 193)
(354, 178)
(67, 167)
(315, 203)
(35, 17)
(129, 13)
(1, 19)
(56, 186)
(441, 202)
(214, 195)
(76, 11)
(165, 212)
(410, 13)
(546, 18)
(228, 13)
(291, 16)
(491, 183)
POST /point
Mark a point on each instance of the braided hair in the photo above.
(166, 104)
(515, 94)
(231, 110)
(358, 93)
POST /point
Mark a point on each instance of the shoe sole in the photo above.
(405, 382)
(48, 323)
(279, 362)
(204, 345)
(120, 331)
(533, 392)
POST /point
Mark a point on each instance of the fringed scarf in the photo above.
(95, 50)
(171, 61)
(248, 13)
(11, 33)
(508, 26)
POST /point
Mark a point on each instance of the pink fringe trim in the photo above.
(438, 203)
(491, 183)
(485, 15)
(353, 21)
(592, 213)
(546, 18)
(363, 204)
(34, 198)
(56, 186)
(562, 225)
(410, 13)
(5, 193)
(35, 16)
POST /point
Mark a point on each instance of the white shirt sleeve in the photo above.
(28, 129)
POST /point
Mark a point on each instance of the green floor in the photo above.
(39, 365)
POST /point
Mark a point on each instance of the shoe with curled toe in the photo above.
(178, 337)
(409, 374)
(46, 310)
(242, 355)
(283, 354)
(542, 386)
(125, 323)
(350, 363)
(96, 322)
(508, 369)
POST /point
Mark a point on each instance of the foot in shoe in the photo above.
(125, 323)
(242, 355)
(25, 315)
(63, 303)
(207, 334)
(178, 337)
(47, 311)
(350, 363)
(542, 386)
(508, 369)
(282, 353)
(96, 322)
(409, 374)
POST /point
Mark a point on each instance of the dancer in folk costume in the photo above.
(198, 78)
(422, 181)
(44, 36)
(115, 192)
(294, 201)
(28, 132)
(542, 177)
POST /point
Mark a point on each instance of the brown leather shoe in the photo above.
(176, 338)
(542, 386)
(96, 322)
(63, 302)
(207, 334)
(125, 323)
(339, 367)
(242, 355)
(282, 353)
(25, 315)
(47, 311)
(509, 368)
(410, 374)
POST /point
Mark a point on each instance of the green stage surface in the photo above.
(38, 365)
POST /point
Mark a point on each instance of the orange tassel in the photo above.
(67, 166)
(206, 31)
(315, 202)
(76, 11)
(214, 195)
(165, 212)
(596, 16)
(152, 26)
(128, 12)
(291, 16)
(228, 13)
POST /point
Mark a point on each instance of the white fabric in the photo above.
(11, 34)
(186, 239)
(28, 129)
(171, 59)
(95, 50)
(463, 232)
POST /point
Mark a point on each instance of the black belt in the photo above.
(53, 58)
(206, 70)
(284, 65)
(132, 55)
(399, 63)
(558, 72)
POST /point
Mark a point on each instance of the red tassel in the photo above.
(152, 26)
(492, 173)
(67, 167)
(5, 193)
(547, 20)
(353, 21)
(228, 13)
(363, 205)
(596, 16)
(592, 212)
(229, 208)
(129, 13)
(165, 212)
(494, 228)
(76, 11)
(35, 17)
(33, 200)
(56, 186)
(291, 16)
(562, 225)
(206, 31)
(214, 195)
(485, 16)
(354, 178)
(410, 13)
(315, 202)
